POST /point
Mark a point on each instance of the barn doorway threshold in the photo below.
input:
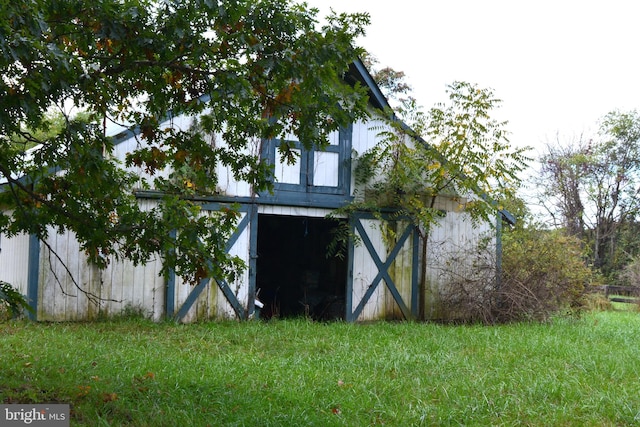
(294, 277)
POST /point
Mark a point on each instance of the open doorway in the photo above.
(294, 276)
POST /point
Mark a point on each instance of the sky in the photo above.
(558, 66)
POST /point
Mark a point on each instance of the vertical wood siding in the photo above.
(64, 269)
(14, 261)
(382, 304)
(211, 303)
(142, 288)
(401, 272)
(365, 270)
(452, 248)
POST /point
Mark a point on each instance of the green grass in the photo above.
(298, 373)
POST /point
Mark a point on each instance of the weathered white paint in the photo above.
(452, 248)
(365, 270)
(293, 211)
(325, 169)
(401, 273)
(14, 261)
(286, 173)
(142, 288)
(126, 146)
(382, 305)
(366, 134)
(212, 303)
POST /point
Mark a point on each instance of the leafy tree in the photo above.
(12, 300)
(456, 150)
(595, 187)
(265, 66)
(392, 83)
(543, 273)
(561, 182)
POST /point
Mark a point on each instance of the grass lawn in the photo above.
(298, 373)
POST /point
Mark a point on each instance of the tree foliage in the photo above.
(543, 274)
(266, 67)
(592, 187)
(457, 150)
(13, 301)
(391, 82)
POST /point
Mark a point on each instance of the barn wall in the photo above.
(212, 303)
(382, 304)
(14, 259)
(123, 286)
(294, 211)
(63, 269)
(365, 135)
(128, 142)
(325, 163)
(452, 250)
(401, 271)
(71, 288)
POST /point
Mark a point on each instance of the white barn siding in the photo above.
(326, 164)
(228, 185)
(294, 211)
(135, 142)
(401, 271)
(125, 286)
(365, 270)
(382, 304)
(452, 248)
(365, 135)
(143, 288)
(64, 268)
(14, 261)
(137, 288)
(119, 287)
(212, 303)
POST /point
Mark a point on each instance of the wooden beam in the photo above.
(382, 271)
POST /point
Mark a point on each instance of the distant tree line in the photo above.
(590, 186)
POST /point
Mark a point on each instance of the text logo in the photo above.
(41, 415)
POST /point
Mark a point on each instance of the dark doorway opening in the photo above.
(294, 276)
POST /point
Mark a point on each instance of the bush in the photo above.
(470, 277)
(12, 300)
(543, 274)
(630, 275)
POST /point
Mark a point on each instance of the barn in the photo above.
(281, 236)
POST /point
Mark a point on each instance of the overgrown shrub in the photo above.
(470, 277)
(12, 301)
(630, 275)
(597, 301)
(543, 274)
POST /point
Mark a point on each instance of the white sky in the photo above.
(558, 65)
